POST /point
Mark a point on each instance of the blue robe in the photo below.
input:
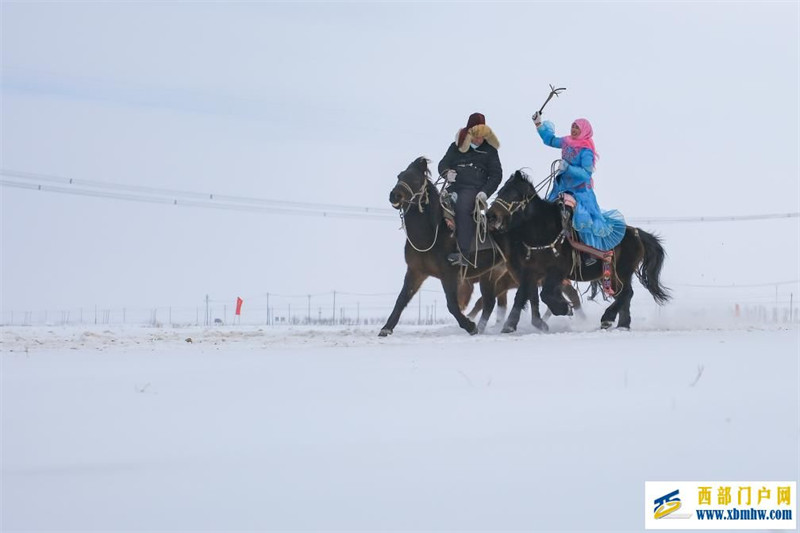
(600, 229)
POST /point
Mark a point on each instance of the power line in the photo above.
(155, 195)
(310, 210)
(735, 286)
(182, 194)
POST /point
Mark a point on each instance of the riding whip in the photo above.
(553, 92)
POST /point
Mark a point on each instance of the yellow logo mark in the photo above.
(667, 508)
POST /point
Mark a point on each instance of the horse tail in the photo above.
(650, 269)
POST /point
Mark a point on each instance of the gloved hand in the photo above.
(450, 175)
(537, 119)
(563, 165)
(481, 197)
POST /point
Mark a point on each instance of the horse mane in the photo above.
(420, 164)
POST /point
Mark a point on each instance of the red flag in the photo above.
(239, 303)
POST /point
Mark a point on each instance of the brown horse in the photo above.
(507, 282)
(538, 252)
(428, 242)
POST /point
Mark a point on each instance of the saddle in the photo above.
(568, 203)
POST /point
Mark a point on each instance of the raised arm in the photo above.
(547, 131)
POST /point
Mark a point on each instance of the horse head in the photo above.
(412, 185)
(507, 210)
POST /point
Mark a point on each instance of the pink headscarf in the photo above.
(584, 140)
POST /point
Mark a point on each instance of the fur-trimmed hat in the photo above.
(476, 127)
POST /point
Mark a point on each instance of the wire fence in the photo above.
(767, 303)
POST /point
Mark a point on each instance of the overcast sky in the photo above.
(694, 108)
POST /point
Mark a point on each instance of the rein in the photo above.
(422, 197)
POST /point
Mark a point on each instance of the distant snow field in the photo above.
(293, 428)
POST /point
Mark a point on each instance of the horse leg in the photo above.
(450, 286)
(624, 297)
(622, 302)
(610, 314)
(465, 289)
(488, 296)
(519, 302)
(552, 295)
(574, 298)
(536, 319)
(477, 307)
(502, 306)
(411, 284)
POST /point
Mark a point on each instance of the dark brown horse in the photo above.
(534, 227)
(429, 242)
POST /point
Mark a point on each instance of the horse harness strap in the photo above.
(552, 246)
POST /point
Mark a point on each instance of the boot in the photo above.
(456, 259)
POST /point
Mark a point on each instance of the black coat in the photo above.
(477, 168)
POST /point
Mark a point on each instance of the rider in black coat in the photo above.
(473, 170)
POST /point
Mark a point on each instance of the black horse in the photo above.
(540, 253)
(428, 243)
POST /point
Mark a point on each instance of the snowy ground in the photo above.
(429, 429)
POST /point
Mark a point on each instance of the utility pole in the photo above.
(268, 309)
(333, 317)
(206, 309)
(309, 310)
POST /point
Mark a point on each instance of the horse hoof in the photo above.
(385, 332)
(605, 324)
(624, 328)
(473, 330)
(508, 329)
(540, 325)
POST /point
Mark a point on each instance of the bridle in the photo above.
(421, 197)
(514, 206)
